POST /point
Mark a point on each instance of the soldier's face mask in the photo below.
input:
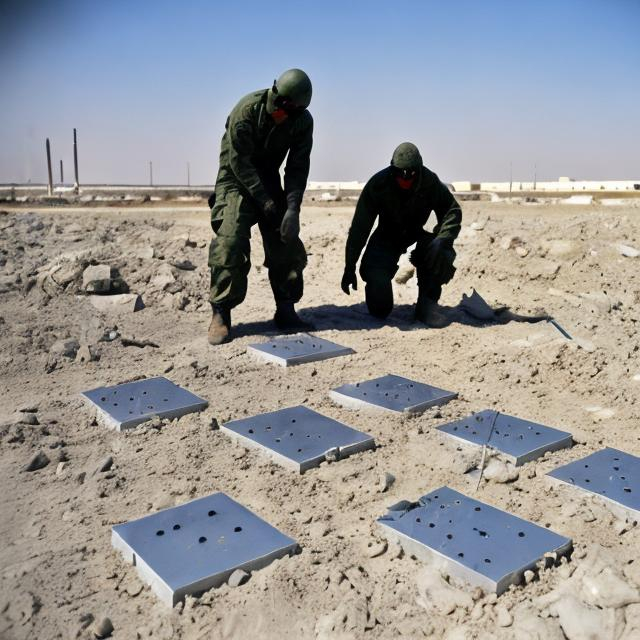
(404, 177)
(279, 115)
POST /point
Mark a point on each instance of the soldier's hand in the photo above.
(290, 225)
(270, 211)
(349, 279)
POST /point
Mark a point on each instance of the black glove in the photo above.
(349, 279)
(290, 225)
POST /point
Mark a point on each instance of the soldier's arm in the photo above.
(296, 171)
(448, 213)
(361, 225)
(241, 148)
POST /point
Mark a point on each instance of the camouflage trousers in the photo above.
(232, 217)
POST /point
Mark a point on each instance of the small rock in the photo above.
(163, 278)
(97, 278)
(104, 465)
(86, 353)
(529, 576)
(67, 348)
(627, 251)
(478, 225)
(503, 617)
(522, 252)
(385, 481)
(237, 578)
(501, 472)
(27, 418)
(405, 274)
(61, 467)
(39, 461)
(184, 265)
(102, 628)
(510, 242)
(377, 549)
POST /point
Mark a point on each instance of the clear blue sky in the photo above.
(475, 84)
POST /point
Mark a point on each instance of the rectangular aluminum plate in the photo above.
(392, 393)
(188, 549)
(299, 437)
(298, 349)
(485, 546)
(611, 474)
(519, 440)
(124, 406)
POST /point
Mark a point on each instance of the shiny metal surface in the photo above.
(391, 392)
(518, 439)
(485, 546)
(611, 474)
(298, 349)
(299, 437)
(195, 546)
(124, 406)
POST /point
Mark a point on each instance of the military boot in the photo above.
(220, 325)
(287, 319)
(430, 313)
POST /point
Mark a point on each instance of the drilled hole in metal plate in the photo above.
(461, 555)
(487, 560)
(431, 525)
(520, 534)
(299, 450)
(237, 529)
(477, 508)
(160, 532)
(176, 527)
(115, 404)
(627, 490)
(250, 430)
(267, 428)
(103, 399)
(211, 513)
(277, 439)
(418, 520)
(449, 536)
(614, 468)
(130, 399)
(202, 539)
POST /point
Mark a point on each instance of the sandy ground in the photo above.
(58, 573)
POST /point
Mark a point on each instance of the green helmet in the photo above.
(291, 91)
(406, 156)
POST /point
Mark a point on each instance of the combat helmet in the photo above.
(291, 92)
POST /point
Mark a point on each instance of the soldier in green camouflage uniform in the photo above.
(401, 197)
(261, 130)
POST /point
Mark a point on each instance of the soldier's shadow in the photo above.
(356, 317)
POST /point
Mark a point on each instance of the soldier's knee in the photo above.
(230, 252)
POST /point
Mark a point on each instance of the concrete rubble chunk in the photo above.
(120, 303)
(102, 628)
(97, 278)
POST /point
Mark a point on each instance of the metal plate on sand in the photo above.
(298, 349)
(391, 392)
(611, 474)
(518, 439)
(124, 406)
(483, 545)
(195, 546)
(299, 437)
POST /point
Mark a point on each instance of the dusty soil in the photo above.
(58, 573)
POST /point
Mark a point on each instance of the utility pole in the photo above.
(76, 184)
(188, 175)
(61, 173)
(50, 184)
(150, 173)
(510, 176)
(535, 171)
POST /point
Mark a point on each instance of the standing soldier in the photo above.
(261, 130)
(402, 197)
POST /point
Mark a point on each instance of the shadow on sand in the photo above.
(356, 317)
